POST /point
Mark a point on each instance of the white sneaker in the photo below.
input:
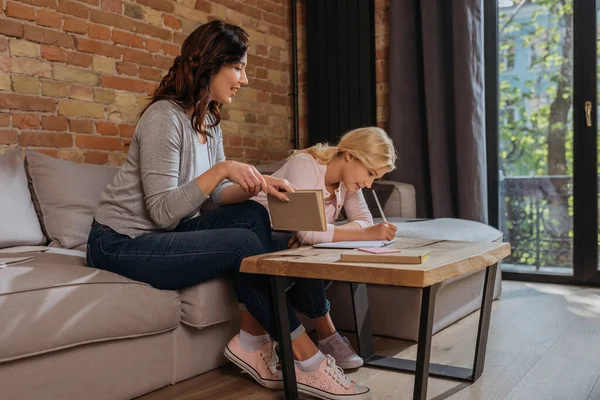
(339, 348)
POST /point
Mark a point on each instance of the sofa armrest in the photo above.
(402, 201)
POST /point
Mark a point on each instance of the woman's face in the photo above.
(357, 176)
(228, 81)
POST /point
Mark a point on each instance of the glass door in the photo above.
(547, 195)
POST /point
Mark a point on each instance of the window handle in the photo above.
(588, 113)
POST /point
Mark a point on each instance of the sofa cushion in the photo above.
(20, 225)
(445, 229)
(55, 302)
(209, 303)
(66, 195)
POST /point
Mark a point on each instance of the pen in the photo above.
(379, 205)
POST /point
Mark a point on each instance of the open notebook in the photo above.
(304, 212)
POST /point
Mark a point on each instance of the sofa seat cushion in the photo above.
(55, 301)
(445, 229)
(209, 303)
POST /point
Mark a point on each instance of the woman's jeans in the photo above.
(209, 246)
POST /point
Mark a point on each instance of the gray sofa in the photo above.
(73, 332)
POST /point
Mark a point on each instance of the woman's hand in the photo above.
(247, 176)
(381, 231)
(274, 185)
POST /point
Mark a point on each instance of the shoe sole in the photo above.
(350, 364)
(269, 384)
(320, 394)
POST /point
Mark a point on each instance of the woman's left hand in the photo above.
(274, 185)
(294, 242)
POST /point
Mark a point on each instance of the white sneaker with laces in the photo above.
(339, 348)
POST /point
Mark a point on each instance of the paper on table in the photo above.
(9, 261)
(354, 244)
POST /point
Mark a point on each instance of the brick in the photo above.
(203, 5)
(127, 68)
(234, 140)
(171, 22)
(26, 84)
(126, 130)
(234, 152)
(81, 125)
(117, 158)
(48, 152)
(114, 6)
(106, 128)
(83, 93)
(48, 36)
(121, 114)
(152, 45)
(18, 65)
(150, 88)
(23, 48)
(79, 59)
(75, 25)
(126, 99)
(93, 46)
(5, 83)
(8, 136)
(91, 2)
(5, 120)
(171, 49)
(163, 62)
(119, 83)
(11, 28)
(133, 11)
(54, 89)
(20, 11)
(26, 121)
(80, 109)
(52, 53)
(128, 39)
(96, 31)
(98, 143)
(96, 157)
(71, 155)
(45, 139)
(72, 74)
(41, 3)
(143, 100)
(179, 38)
(138, 57)
(161, 5)
(152, 31)
(73, 8)
(152, 17)
(54, 123)
(151, 74)
(3, 44)
(105, 18)
(104, 96)
(48, 18)
(103, 64)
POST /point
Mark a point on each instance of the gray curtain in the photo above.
(436, 105)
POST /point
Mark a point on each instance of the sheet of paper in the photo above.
(10, 261)
(354, 244)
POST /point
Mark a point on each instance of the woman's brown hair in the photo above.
(203, 53)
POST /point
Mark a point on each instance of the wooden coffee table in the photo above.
(447, 259)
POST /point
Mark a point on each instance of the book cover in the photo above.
(304, 212)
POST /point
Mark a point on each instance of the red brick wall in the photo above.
(74, 74)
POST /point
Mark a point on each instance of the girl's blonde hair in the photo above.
(371, 145)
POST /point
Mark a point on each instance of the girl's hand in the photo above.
(247, 176)
(294, 242)
(273, 185)
(382, 231)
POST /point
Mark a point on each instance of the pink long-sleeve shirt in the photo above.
(304, 172)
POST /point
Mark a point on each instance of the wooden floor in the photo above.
(544, 343)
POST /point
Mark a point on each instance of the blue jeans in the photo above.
(199, 249)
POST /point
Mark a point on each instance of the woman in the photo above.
(147, 225)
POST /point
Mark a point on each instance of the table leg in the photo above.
(362, 320)
(280, 313)
(424, 344)
(484, 320)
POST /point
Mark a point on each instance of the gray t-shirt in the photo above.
(155, 189)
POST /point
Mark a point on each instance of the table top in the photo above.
(447, 259)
